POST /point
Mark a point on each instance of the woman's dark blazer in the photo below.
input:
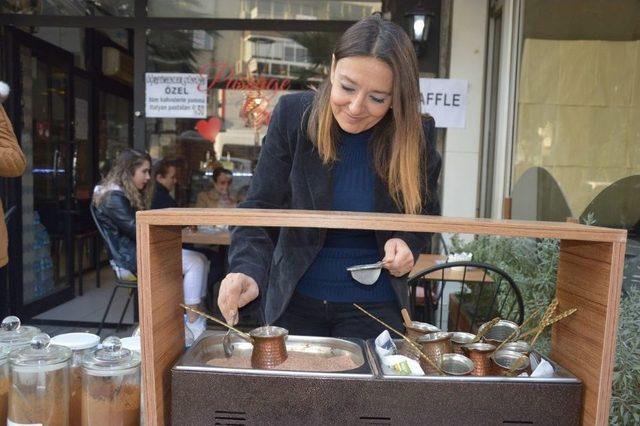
(290, 175)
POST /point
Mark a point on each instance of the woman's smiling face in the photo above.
(361, 89)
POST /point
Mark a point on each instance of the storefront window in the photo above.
(577, 112)
(69, 7)
(265, 9)
(247, 72)
(113, 129)
(69, 39)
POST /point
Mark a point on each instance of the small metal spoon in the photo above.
(366, 274)
(227, 346)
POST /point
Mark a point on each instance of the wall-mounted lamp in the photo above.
(419, 24)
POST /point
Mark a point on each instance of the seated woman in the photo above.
(218, 196)
(125, 190)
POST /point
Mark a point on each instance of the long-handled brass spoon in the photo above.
(216, 320)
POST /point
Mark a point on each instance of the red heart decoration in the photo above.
(210, 128)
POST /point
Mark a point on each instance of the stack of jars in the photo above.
(67, 380)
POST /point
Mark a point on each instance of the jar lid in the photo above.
(76, 341)
(14, 334)
(111, 357)
(132, 343)
(40, 353)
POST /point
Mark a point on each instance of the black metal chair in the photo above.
(131, 286)
(85, 238)
(484, 292)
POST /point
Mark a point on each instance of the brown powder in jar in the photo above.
(106, 403)
(296, 361)
(4, 399)
(45, 406)
(75, 397)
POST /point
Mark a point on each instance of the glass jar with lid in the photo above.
(80, 344)
(4, 383)
(14, 334)
(39, 392)
(111, 385)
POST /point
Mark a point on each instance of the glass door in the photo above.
(44, 83)
(114, 125)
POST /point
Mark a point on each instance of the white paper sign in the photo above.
(445, 99)
(176, 95)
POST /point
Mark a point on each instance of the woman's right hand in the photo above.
(236, 290)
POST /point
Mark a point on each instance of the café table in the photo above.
(426, 261)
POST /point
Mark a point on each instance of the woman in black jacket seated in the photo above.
(125, 190)
(358, 144)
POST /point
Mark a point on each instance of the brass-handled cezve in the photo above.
(405, 316)
(431, 362)
(484, 329)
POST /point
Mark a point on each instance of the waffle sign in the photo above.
(445, 99)
(175, 95)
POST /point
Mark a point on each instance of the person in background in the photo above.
(12, 164)
(126, 189)
(218, 196)
(359, 143)
(165, 172)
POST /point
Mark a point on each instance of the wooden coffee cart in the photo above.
(589, 278)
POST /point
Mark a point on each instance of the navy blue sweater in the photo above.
(353, 190)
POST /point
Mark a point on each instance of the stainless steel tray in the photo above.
(209, 346)
(561, 375)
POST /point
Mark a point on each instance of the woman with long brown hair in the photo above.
(358, 144)
(126, 189)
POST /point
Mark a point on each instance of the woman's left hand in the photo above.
(398, 258)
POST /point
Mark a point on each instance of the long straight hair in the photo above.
(398, 139)
(121, 175)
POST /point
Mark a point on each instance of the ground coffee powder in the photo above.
(4, 399)
(75, 397)
(108, 403)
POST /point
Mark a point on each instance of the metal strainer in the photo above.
(366, 274)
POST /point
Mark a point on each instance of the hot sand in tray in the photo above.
(296, 361)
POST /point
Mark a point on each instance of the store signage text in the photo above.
(175, 95)
(226, 74)
(184, 95)
(446, 100)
